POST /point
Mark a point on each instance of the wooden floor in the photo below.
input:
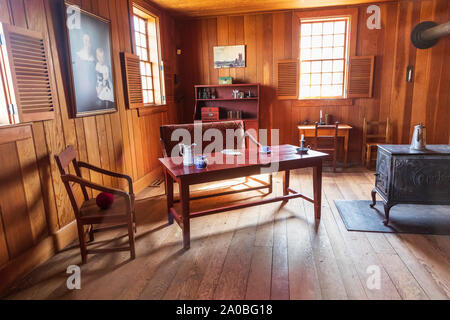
(266, 252)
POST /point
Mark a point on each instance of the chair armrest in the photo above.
(109, 173)
(95, 186)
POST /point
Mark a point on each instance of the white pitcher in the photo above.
(187, 153)
(419, 138)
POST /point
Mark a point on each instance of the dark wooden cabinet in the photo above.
(414, 177)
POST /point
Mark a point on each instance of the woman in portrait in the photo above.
(85, 76)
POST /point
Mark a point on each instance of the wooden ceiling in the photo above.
(201, 8)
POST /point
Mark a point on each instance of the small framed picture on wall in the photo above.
(90, 62)
(229, 57)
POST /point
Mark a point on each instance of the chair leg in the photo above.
(134, 222)
(368, 156)
(363, 155)
(132, 240)
(334, 160)
(91, 233)
(81, 239)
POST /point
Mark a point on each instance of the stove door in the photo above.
(382, 174)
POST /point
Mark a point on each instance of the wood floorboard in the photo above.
(330, 279)
(275, 251)
(280, 267)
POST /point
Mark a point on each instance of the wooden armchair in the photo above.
(371, 140)
(327, 143)
(120, 214)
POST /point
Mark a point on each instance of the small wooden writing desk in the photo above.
(283, 158)
(343, 131)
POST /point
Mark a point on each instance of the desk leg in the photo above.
(184, 199)
(169, 194)
(286, 178)
(270, 183)
(317, 185)
(346, 149)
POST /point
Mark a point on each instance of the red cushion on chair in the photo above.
(104, 200)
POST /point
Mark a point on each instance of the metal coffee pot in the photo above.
(419, 138)
(187, 153)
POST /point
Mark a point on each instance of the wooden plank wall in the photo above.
(34, 206)
(274, 36)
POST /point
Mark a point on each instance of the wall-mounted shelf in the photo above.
(226, 102)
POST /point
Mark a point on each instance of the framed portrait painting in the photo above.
(91, 73)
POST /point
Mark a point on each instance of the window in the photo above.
(147, 48)
(323, 57)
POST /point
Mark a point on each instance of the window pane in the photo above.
(142, 25)
(328, 41)
(306, 42)
(316, 54)
(337, 90)
(315, 91)
(339, 27)
(306, 54)
(316, 66)
(338, 53)
(136, 23)
(144, 55)
(326, 78)
(150, 96)
(138, 52)
(315, 78)
(305, 67)
(338, 66)
(137, 37)
(142, 68)
(327, 91)
(304, 79)
(316, 41)
(339, 40)
(327, 53)
(143, 40)
(305, 91)
(317, 28)
(148, 69)
(338, 78)
(327, 66)
(328, 28)
(150, 83)
(306, 29)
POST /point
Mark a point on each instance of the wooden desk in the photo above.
(283, 158)
(343, 131)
